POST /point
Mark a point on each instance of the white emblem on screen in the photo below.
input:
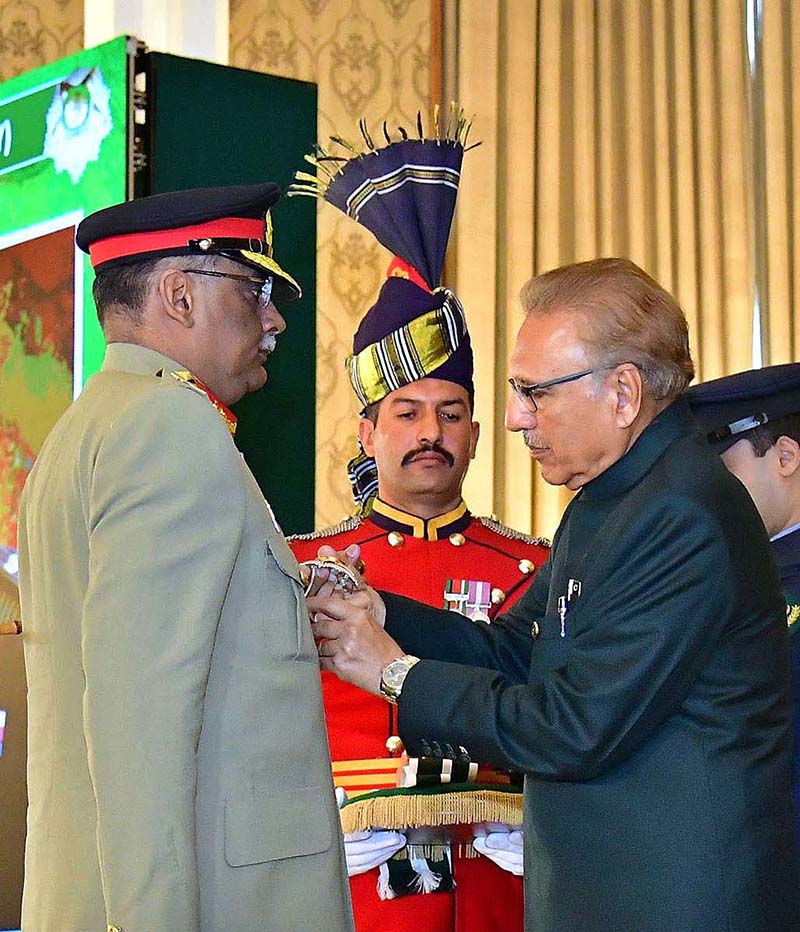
(78, 120)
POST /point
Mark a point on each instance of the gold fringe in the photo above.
(409, 810)
(455, 129)
(319, 164)
(340, 141)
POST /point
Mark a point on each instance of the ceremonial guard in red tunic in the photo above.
(412, 369)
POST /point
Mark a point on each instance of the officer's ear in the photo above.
(175, 297)
(788, 451)
(476, 433)
(366, 431)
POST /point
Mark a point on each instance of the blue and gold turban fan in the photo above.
(404, 193)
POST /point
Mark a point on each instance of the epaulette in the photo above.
(505, 531)
(349, 524)
(185, 378)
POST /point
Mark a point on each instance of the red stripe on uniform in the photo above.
(368, 786)
(366, 771)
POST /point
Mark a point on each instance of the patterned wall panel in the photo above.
(370, 58)
(35, 32)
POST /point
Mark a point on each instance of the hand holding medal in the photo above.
(343, 570)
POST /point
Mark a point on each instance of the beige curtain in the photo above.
(609, 127)
(779, 268)
(370, 58)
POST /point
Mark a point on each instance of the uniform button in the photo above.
(498, 596)
(457, 540)
(394, 744)
(526, 566)
(535, 630)
(395, 539)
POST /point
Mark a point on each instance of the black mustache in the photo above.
(446, 455)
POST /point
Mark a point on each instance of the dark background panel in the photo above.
(212, 125)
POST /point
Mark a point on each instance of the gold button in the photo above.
(498, 596)
(457, 540)
(394, 744)
(535, 630)
(395, 539)
(526, 566)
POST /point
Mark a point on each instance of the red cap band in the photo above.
(135, 244)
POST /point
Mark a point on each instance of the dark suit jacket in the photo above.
(787, 553)
(652, 717)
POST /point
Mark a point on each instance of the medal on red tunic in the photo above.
(469, 597)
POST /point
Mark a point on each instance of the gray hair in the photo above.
(629, 318)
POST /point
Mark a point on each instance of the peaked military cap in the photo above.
(233, 222)
(728, 408)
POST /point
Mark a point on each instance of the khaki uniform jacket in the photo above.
(178, 769)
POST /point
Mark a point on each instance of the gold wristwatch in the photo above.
(394, 675)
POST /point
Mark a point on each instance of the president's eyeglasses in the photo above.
(532, 394)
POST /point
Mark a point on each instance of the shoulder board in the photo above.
(505, 531)
(349, 524)
(185, 378)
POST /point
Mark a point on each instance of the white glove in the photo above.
(500, 843)
(370, 848)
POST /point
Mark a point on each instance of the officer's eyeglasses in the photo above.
(262, 293)
(531, 395)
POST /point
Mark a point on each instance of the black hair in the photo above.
(123, 289)
(766, 436)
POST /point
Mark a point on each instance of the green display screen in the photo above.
(213, 125)
(63, 154)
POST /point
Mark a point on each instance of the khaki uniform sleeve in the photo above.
(165, 515)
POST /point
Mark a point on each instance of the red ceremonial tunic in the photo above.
(473, 565)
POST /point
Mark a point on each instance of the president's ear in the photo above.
(627, 387)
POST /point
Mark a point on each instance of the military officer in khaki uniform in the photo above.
(178, 771)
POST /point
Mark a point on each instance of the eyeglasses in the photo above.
(263, 294)
(527, 393)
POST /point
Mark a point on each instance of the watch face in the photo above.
(395, 673)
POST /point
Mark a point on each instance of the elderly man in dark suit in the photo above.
(642, 682)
